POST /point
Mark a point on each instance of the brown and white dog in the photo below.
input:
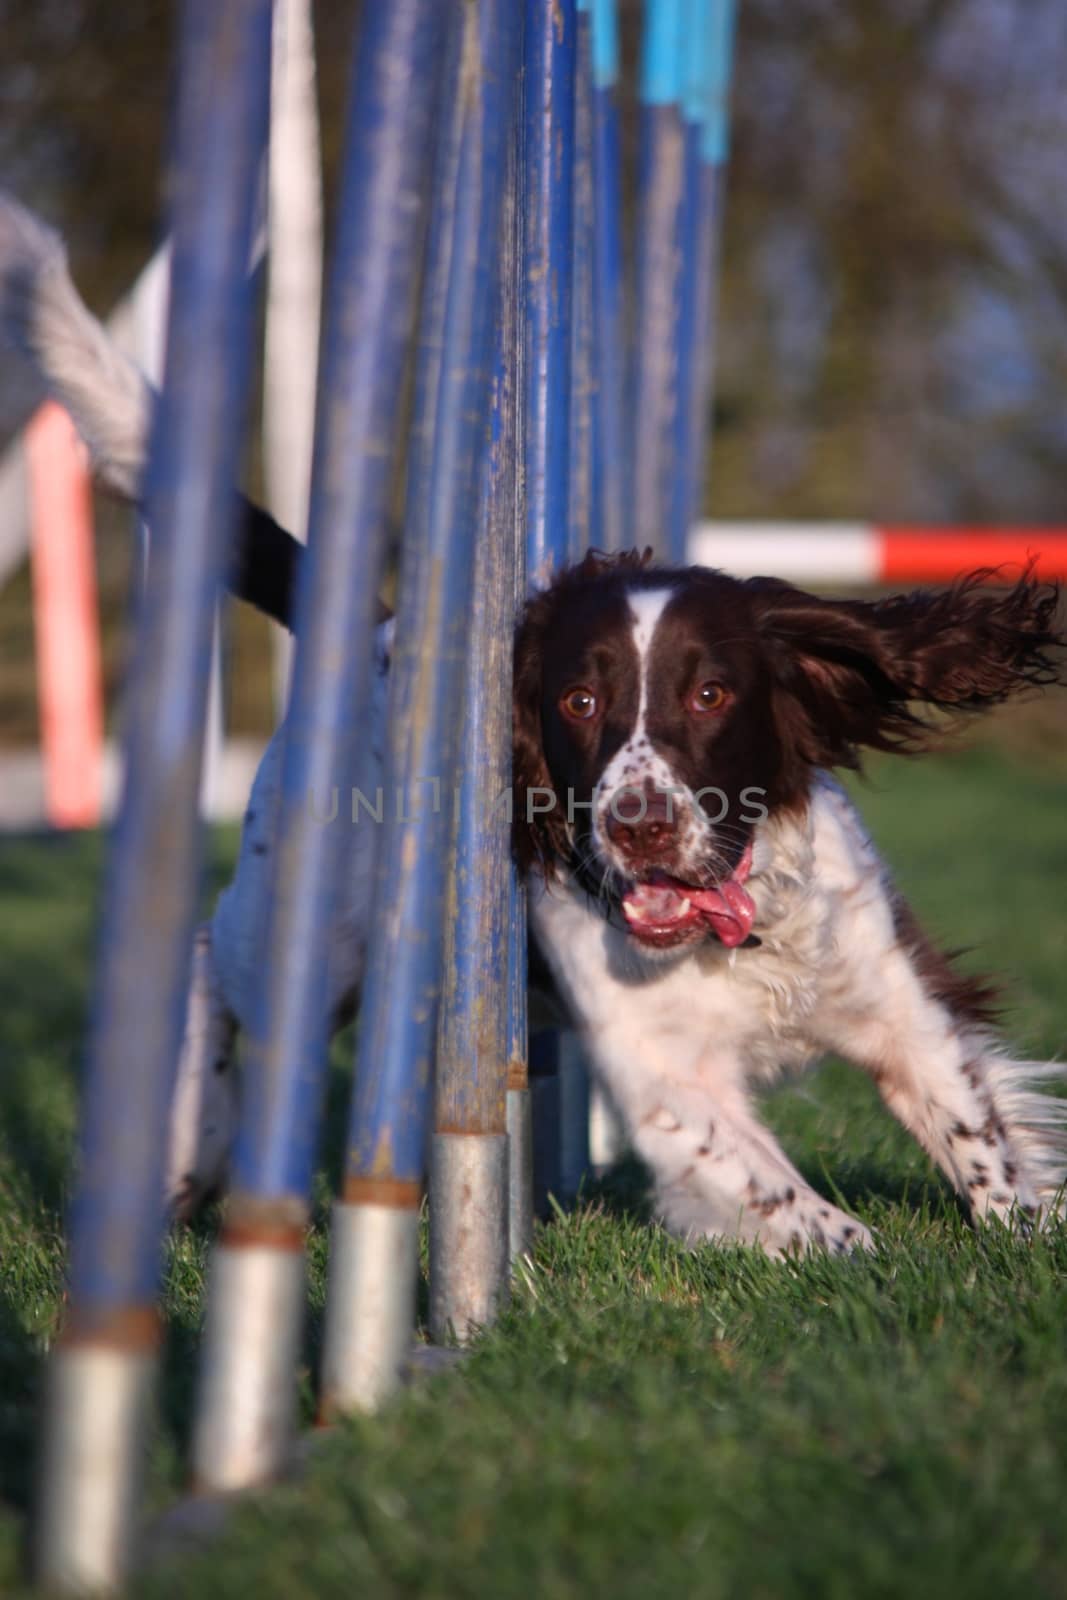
(702, 889)
(709, 901)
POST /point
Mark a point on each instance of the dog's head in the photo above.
(662, 714)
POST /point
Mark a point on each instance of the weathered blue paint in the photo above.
(585, 482)
(609, 439)
(518, 1017)
(146, 941)
(478, 1008)
(370, 321)
(550, 41)
(656, 395)
(549, 65)
(682, 126)
(392, 1099)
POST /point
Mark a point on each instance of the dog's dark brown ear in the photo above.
(864, 673)
(539, 835)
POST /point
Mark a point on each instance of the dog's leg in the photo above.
(1002, 1146)
(720, 1173)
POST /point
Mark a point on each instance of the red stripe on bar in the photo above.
(938, 554)
(69, 685)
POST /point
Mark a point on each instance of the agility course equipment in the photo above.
(861, 553)
(375, 1227)
(481, 159)
(684, 78)
(244, 1416)
(101, 1374)
(459, 183)
(597, 83)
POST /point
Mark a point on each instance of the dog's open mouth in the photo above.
(664, 911)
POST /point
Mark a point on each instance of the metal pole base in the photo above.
(520, 1173)
(92, 1467)
(469, 1232)
(246, 1404)
(370, 1306)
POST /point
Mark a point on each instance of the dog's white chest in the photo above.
(732, 1014)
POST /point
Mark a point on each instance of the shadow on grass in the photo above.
(625, 1190)
(866, 1182)
(50, 887)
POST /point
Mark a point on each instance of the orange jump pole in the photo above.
(937, 555)
(856, 553)
(66, 620)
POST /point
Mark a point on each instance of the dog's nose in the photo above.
(640, 824)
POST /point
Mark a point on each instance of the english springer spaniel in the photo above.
(709, 902)
(702, 889)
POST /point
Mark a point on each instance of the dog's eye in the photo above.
(709, 697)
(579, 704)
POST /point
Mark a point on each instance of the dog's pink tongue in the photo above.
(729, 909)
(666, 902)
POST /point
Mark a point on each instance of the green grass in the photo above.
(643, 1420)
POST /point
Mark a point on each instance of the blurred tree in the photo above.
(895, 279)
(894, 307)
(894, 299)
(85, 90)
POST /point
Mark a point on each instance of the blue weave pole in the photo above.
(609, 428)
(661, 243)
(470, 1156)
(519, 1108)
(584, 478)
(550, 42)
(707, 147)
(246, 1403)
(695, 261)
(374, 1240)
(101, 1374)
(550, 47)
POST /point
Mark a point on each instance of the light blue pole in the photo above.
(101, 1374)
(550, 45)
(657, 396)
(609, 422)
(707, 148)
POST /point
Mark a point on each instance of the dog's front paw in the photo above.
(786, 1223)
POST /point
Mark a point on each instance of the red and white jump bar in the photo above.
(856, 553)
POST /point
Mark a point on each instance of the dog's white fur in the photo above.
(681, 1040)
(43, 316)
(682, 1044)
